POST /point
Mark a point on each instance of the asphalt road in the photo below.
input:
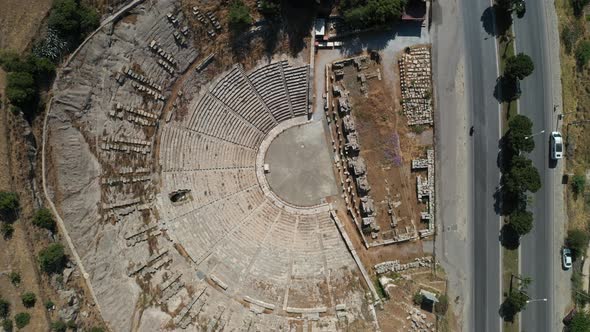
(481, 72)
(537, 254)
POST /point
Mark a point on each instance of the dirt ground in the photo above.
(381, 127)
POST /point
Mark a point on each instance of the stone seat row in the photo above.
(186, 150)
(271, 86)
(211, 117)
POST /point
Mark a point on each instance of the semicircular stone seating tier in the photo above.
(284, 259)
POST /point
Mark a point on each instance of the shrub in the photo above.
(442, 305)
(239, 16)
(97, 329)
(7, 230)
(4, 308)
(72, 325)
(9, 203)
(578, 6)
(15, 278)
(583, 53)
(418, 298)
(7, 325)
(29, 299)
(578, 184)
(44, 219)
(22, 319)
(52, 259)
(59, 326)
(570, 35)
(580, 322)
(577, 241)
(49, 305)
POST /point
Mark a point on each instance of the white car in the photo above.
(566, 258)
(556, 145)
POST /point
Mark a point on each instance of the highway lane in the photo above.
(481, 72)
(537, 254)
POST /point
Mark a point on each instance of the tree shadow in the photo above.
(507, 312)
(496, 21)
(507, 89)
(509, 238)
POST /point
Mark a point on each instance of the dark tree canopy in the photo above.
(29, 299)
(4, 308)
(53, 258)
(577, 241)
(44, 219)
(520, 127)
(519, 66)
(522, 176)
(372, 13)
(514, 303)
(521, 221)
(22, 319)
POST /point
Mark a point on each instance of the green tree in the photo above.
(22, 319)
(522, 176)
(20, 88)
(29, 299)
(44, 219)
(580, 322)
(578, 184)
(52, 259)
(4, 308)
(521, 221)
(519, 66)
(72, 19)
(239, 16)
(7, 325)
(59, 326)
(583, 53)
(577, 241)
(9, 203)
(519, 132)
(372, 13)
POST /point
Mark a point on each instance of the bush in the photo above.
(580, 322)
(442, 305)
(578, 184)
(570, 35)
(519, 66)
(97, 329)
(239, 16)
(583, 53)
(44, 219)
(418, 298)
(7, 230)
(49, 305)
(372, 13)
(577, 241)
(22, 319)
(52, 259)
(521, 222)
(15, 278)
(59, 326)
(578, 6)
(7, 325)
(29, 299)
(4, 308)
(9, 203)
(72, 325)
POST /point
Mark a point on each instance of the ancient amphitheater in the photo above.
(157, 174)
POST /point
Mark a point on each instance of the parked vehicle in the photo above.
(556, 145)
(566, 258)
